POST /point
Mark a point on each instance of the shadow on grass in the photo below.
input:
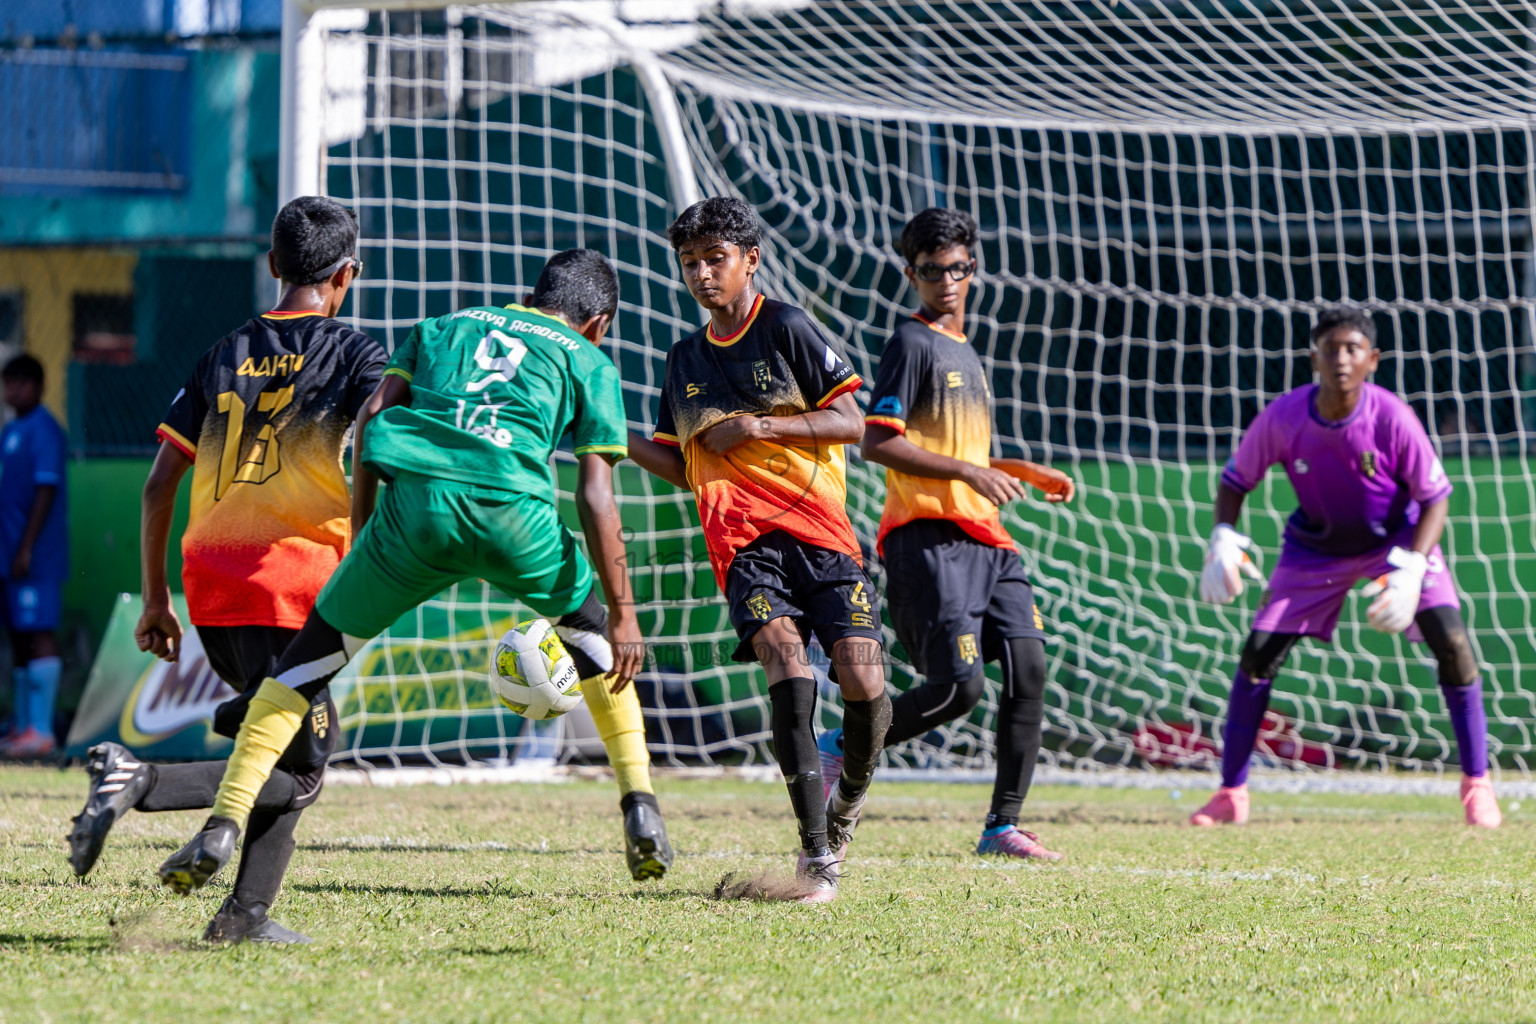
(437, 891)
(490, 951)
(489, 889)
(480, 847)
(55, 943)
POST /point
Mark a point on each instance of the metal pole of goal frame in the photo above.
(302, 78)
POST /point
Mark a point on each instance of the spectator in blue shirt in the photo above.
(34, 554)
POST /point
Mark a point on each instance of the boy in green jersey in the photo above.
(462, 427)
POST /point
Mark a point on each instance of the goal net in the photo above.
(1167, 195)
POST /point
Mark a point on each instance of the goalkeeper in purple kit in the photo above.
(1372, 500)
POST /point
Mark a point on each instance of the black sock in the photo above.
(865, 723)
(1020, 711)
(792, 706)
(924, 708)
(192, 787)
(634, 797)
(264, 861)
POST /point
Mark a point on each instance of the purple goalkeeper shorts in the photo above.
(1306, 590)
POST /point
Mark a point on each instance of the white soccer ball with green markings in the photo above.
(532, 673)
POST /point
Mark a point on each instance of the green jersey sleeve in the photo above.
(403, 362)
(599, 425)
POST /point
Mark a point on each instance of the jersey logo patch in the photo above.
(320, 720)
(829, 361)
(967, 644)
(1368, 464)
(1300, 465)
(890, 405)
(761, 375)
(954, 379)
(758, 605)
(695, 390)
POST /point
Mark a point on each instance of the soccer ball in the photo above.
(532, 673)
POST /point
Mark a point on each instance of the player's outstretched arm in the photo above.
(659, 459)
(1226, 553)
(883, 445)
(392, 390)
(158, 630)
(1055, 485)
(601, 525)
(840, 422)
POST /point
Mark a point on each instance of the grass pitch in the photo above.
(511, 903)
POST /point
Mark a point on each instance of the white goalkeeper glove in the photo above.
(1226, 563)
(1396, 592)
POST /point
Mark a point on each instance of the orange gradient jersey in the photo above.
(265, 419)
(932, 387)
(778, 363)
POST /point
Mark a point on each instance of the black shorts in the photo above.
(243, 656)
(954, 600)
(825, 592)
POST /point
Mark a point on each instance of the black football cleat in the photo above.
(190, 868)
(236, 922)
(118, 782)
(646, 847)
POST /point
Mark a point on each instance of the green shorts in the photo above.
(428, 534)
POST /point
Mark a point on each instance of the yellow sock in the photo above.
(622, 728)
(271, 721)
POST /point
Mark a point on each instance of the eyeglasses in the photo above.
(357, 267)
(936, 272)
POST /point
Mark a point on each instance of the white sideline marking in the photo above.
(1341, 782)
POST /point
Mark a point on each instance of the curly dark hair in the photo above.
(1344, 316)
(580, 284)
(310, 236)
(717, 219)
(937, 228)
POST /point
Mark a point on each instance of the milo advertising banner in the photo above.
(420, 691)
(156, 709)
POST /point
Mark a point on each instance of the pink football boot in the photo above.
(1229, 805)
(1477, 797)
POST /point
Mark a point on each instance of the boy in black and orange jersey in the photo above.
(755, 409)
(957, 591)
(262, 423)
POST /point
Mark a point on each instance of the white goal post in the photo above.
(1167, 194)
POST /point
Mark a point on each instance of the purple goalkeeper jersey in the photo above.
(1358, 481)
